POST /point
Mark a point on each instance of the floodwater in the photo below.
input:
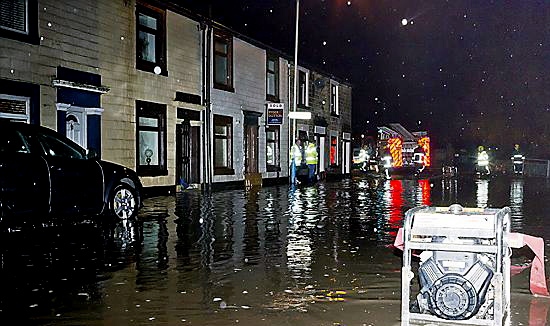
(279, 255)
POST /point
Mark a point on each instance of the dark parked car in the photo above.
(42, 171)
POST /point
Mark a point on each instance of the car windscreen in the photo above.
(59, 147)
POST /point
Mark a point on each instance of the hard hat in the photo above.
(480, 148)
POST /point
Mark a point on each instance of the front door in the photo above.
(251, 148)
(187, 154)
(76, 126)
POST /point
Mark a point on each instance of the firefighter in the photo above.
(517, 160)
(372, 154)
(387, 161)
(482, 161)
(295, 160)
(311, 160)
(364, 158)
(418, 159)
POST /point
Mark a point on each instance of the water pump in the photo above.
(463, 271)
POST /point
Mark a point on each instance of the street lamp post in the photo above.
(295, 102)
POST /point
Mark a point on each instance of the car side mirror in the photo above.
(91, 154)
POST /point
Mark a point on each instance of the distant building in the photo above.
(178, 98)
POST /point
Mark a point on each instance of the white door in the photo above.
(76, 126)
(321, 154)
(346, 157)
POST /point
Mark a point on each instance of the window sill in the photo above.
(223, 171)
(31, 38)
(273, 168)
(272, 98)
(149, 67)
(226, 88)
(151, 172)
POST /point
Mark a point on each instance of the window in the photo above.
(334, 109)
(272, 78)
(223, 62)
(333, 150)
(14, 108)
(19, 20)
(272, 148)
(151, 139)
(302, 88)
(223, 145)
(150, 39)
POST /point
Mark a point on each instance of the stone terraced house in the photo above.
(179, 98)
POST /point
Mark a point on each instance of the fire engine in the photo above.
(402, 151)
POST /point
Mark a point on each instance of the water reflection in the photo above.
(516, 202)
(482, 193)
(395, 205)
(276, 248)
(424, 192)
(449, 191)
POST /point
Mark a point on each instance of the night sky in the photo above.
(468, 72)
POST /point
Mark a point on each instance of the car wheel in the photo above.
(124, 202)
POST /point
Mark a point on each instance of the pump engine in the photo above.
(454, 285)
(464, 268)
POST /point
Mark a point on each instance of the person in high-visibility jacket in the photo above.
(387, 161)
(311, 160)
(295, 160)
(482, 161)
(364, 158)
(517, 160)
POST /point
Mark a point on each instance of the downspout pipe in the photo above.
(209, 127)
(206, 164)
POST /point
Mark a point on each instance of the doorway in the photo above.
(187, 154)
(76, 126)
(251, 149)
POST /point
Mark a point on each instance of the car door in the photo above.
(76, 181)
(24, 181)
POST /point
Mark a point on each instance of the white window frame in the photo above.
(336, 106)
(306, 102)
(13, 116)
(27, 29)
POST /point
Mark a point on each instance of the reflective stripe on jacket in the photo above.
(311, 154)
(296, 155)
(483, 159)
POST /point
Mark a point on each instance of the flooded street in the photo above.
(274, 256)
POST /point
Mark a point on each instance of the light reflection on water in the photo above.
(243, 254)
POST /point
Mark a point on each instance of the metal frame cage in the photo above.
(464, 269)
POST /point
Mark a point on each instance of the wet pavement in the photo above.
(278, 255)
